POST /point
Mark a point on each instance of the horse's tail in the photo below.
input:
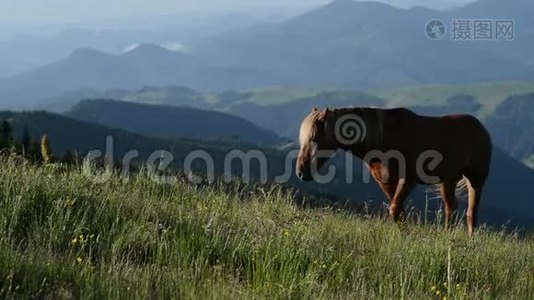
(461, 188)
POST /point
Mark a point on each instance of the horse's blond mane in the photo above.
(307, 128)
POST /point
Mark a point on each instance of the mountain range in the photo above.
(345, 44)
(36, 45)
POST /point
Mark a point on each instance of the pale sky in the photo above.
(44, 11)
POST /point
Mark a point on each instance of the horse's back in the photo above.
(458, 128)
(462, 139)
(478, 143)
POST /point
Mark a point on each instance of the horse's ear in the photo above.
(314, 109)
(324, 115)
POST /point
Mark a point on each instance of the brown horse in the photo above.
(402, 149)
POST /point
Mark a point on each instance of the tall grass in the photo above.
(64, 236)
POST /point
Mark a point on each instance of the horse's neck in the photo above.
(374, 130)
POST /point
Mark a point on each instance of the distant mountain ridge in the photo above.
(512, 126)
(89, 68)
(171, 121)
(504, 106)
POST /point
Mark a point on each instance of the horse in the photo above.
(402, 149)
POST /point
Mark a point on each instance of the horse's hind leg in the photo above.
(474, 187)
(448, 194)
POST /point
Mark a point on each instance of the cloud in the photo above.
(173, 46)
(130, 48)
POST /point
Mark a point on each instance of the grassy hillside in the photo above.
(279, 95)
(64, 236)
(489, 94)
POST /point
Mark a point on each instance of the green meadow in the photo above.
(64, 236)
(488, 94)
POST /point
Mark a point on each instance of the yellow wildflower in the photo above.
(74, 241)
(433, 288)
(79, 259)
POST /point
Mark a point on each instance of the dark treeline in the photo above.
(35, 149)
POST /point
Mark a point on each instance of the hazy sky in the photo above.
(37, 11)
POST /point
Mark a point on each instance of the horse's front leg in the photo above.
(396, 187)
(396, 192)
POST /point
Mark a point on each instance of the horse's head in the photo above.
(315, 143)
